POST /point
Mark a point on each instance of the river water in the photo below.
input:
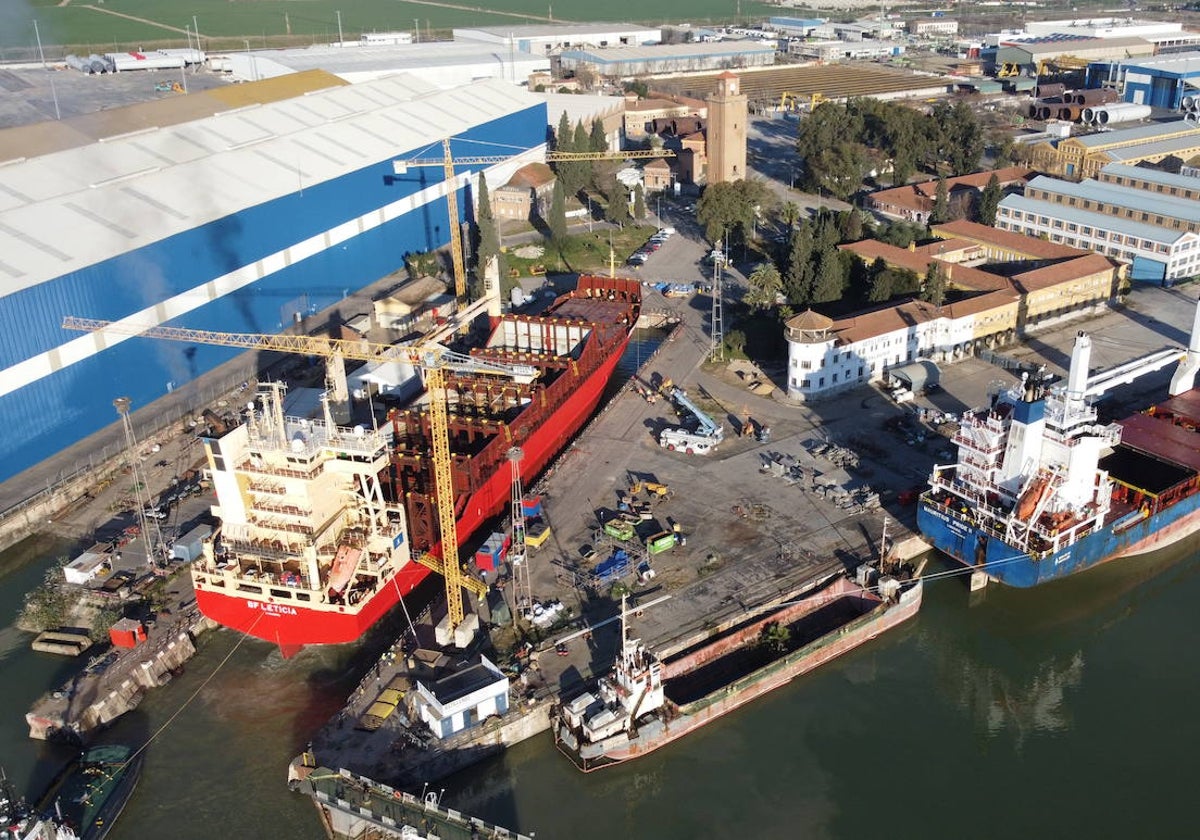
(1065, 711)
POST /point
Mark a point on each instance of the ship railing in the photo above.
(253, 467)
(278, 525)
(268, 549)
(286, 510)
(267, 489)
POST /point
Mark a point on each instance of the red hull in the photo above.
(291, 626)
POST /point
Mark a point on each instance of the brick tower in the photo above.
(727, 117)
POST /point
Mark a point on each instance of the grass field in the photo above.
(132, 22)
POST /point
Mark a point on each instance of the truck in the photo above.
(704, 439)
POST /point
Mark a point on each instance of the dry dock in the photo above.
(760, 519)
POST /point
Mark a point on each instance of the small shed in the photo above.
(127, 633)
(916, 375)
(188, 547)
(463, 699)
(87, 566)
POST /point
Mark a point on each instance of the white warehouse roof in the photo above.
(121, 194)
(443, 63)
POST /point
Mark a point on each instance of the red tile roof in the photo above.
(1031, 246)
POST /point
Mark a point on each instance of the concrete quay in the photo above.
(752, 536)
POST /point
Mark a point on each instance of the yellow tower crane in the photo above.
(433, 358)
(448, 162)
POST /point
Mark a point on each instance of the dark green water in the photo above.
(1068, 711)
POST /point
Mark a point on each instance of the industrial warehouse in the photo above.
(301, 207)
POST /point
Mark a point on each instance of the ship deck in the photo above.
(752, 655)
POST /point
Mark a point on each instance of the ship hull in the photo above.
(954, 534)
(664, 730)
(292, 626)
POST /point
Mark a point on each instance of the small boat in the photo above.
(86, 798)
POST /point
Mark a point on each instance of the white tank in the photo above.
(1120, 113)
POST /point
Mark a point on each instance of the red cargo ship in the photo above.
(319, 523)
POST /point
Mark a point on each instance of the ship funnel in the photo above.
(1185, 375)
(1081, 357)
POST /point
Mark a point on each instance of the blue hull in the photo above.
(955, 534)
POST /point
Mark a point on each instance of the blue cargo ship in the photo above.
(1042, 490)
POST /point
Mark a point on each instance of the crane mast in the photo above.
(433, 358)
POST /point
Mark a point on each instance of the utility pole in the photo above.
(716, 350)
(339, 20)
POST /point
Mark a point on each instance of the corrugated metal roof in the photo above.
(397, 57)
(1153, 176)
(663, 52)
(1128, 197)
(1158, 148)
(1100, 221)
(116, 196)
(1184, 63)
(56, 135)
(1147, 133)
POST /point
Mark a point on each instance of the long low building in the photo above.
(668, 58)
(1151, 180)
(246, 220)
(442, 64)
(1155, 254)
(1118, 201)
(1085, 155)
(1039, 284)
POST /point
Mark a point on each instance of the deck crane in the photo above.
(433, 358)
(447, 161)
(708, 434)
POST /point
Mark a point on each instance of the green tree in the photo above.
(638, 87)
(735, 340)
(941, 203)
(1005, 151)
(765, 285)
(564, 137)
(830, 279)
(728, 207)
(850, 226)
(639, 203)
(789, 213)
(617, 211)
(933, 289)
(901, 234)
(49, 605)
(488, 232)
(572, 173)
(557, 222)
(880, 284)
(989, 201)
(597, 141)
(798, 279)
